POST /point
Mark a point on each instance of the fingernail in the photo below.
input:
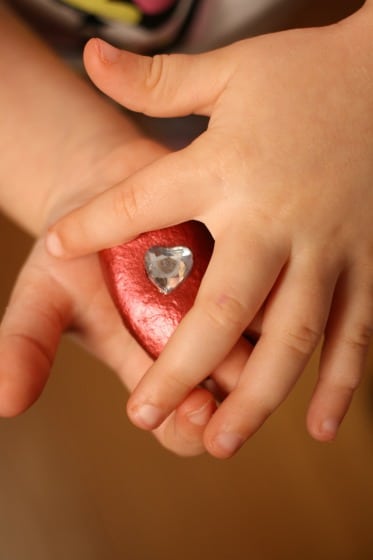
(201, 416)
(228, 442)
(107, 52)
(54, 245)
(147, 415)
(329, 428)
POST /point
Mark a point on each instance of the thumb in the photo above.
(30, 331)
(160, 86)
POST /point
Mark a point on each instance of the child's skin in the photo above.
(61, 143)
(283, 178)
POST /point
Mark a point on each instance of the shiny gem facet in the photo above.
(167, 267)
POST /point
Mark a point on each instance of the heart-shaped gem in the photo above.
(181, 255)
(167, 267)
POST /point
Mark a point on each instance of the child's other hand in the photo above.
(283, 179)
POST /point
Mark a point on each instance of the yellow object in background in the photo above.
(121, 11)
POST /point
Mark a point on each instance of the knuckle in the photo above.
(227, 312)
(359, 338)
(349, 383)
(345, 382)
(225, 162)
(302, 339)
(125, 204)
(156, 72)
(176, 381)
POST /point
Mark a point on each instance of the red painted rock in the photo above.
(154, 280)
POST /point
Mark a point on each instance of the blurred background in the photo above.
(78, 482)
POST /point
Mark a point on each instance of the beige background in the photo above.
(77, 482)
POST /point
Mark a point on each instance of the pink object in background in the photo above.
(153, 7)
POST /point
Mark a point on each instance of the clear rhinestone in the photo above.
(167, 267)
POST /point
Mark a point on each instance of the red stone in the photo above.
(149, 315)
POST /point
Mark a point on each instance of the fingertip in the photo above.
(98, 49)
(221, 438)
(224, 445)
(326, 412)
(91, 58)
(54, 244)
(17, 397)
(145, 416)
(107, 53)
(324, 431)
(194, 412)
(11, 407)
(201, 416)
(24, 372)
(197, 409)
(182, 432)
(91, 46)
(98, 57)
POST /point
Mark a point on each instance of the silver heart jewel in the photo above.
(167, 267)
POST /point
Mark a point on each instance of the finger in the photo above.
(227, 374)
(182, 431)
(236, 283)
(37, 314)
(155, 197)
(293, 324)
(163, 85)
(348, 334)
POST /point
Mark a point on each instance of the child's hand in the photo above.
(283, 179)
